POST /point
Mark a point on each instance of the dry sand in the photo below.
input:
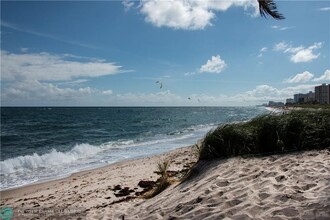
(293, 186)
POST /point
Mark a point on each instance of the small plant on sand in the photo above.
(163, 182)
(197, 150)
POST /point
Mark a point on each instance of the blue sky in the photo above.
(204, 53)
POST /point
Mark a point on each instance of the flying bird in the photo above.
(160, 84)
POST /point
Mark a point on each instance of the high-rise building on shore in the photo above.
(322, 94)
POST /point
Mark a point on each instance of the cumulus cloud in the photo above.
(300, 78)
(188, 14)
(262, 90)
(35, 90)
(49, 67)
(325, 76)
(214, 65)
(306, 55)
(264, 93)
(257, 95)
(299, 54)
(50, 78)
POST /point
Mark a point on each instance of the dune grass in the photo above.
(163, 181)
(267, 134)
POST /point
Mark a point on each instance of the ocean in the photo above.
(44, 143)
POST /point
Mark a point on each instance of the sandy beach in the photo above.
(86, 194)
(292, 186)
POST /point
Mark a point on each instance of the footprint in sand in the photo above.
(308, 186)
(222, 183)
(283, 197)
(280, 178)
(263, 196)
(233, 202)
(289, 212)
(269, 174)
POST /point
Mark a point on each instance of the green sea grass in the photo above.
(268, 134)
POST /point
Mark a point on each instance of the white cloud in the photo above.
(165, 98)
(48, 79)
(29, 90)
(36, 93)
(24, 49)
(324, 9)
(325, 76)
(299, 54)
(189, 73)
(280, 28)
(306, 55)
(73, 82)
(300, 78)
(262, 51)
(214, 65)
(262, 90)
(264, 93)
(280, 46)
(48, 67)
(107, 92)
(188, 14)
(128, 4)
(176, 14)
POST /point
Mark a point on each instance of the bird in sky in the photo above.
(160, 84)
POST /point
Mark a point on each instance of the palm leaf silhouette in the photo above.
(268, 7)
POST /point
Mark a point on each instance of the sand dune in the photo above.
(294, 186)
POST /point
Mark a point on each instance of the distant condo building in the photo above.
(304, 98)
(322, 94)
(289, 101)
(275, 104)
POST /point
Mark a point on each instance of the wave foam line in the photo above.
(53, 158)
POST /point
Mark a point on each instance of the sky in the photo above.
(161, 53)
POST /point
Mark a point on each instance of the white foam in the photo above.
(53, 158)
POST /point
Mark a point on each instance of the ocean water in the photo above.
(42, 143)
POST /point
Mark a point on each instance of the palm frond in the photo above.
(268, 7)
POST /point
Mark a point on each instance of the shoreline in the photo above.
(88, 189)
(41, 183)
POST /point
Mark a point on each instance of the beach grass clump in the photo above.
(267, 134)
(163, 182)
